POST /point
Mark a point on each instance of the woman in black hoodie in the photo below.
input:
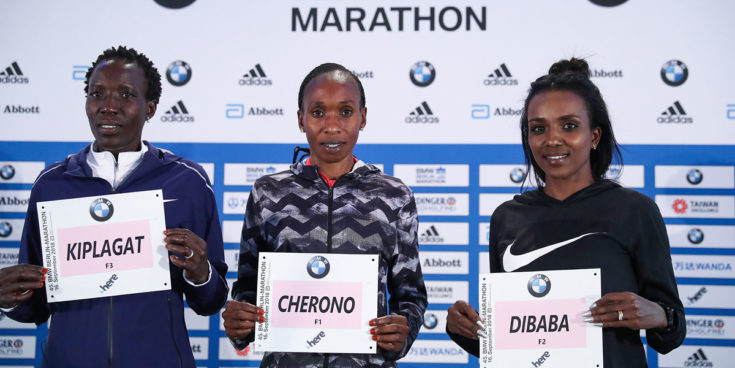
(568, 141)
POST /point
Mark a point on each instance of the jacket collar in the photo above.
(153, 159)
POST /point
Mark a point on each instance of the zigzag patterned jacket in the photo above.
(365, 211)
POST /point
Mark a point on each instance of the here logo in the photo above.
(318, 338)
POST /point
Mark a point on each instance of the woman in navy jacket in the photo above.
(137, 330)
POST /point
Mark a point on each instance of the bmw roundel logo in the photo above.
(517, 174)
(317, 267)
(694, 176)
(674, 73)
(539, 285)
(101, 209)
(5, 229)
(608, 3)
(422, 73)
(178, 73)
(695, 236)
(430, 321)
(7, 172)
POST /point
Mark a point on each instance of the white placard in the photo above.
(696, 206)
(11, 229)
(536, 318)
(451, 233)
(490, 201)
(24, 172)
(712, 177)
(442, 204)
(104, 246)
(317, 303)
(433, 175)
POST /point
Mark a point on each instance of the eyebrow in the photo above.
(563, 117)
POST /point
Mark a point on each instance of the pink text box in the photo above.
(576, 337)
(140, 258)
(331, 319)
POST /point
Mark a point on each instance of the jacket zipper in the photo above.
(109, 332)
(330, 204)
(173, 335)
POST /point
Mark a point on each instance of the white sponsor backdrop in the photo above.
(454, 141)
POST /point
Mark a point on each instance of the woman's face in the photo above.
(116, 105)
(560, 136)
(331, 117)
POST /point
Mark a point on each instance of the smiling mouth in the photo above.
(556, 157)
(332, 145)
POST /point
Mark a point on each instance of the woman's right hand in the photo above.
(463, 320)
(240, 318)
(18, 282)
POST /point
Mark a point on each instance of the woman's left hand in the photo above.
(390, 331)
(190, 253)
(626, 309)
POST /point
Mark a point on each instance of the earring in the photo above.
(594, 146)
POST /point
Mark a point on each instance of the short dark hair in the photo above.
(573, 75)
(326, 68)
(153, 89)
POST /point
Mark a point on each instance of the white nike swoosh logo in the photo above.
(170, 200)
(513, 262)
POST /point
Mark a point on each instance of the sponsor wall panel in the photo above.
(629, 176)
(433, 175)
(11, 229)
(696, 206)
(502, 175)
(231, 258)
(452, 233)
(693, 356)
(200, 347)
(446, 292)
(8, 256)
(17, 347)
(234, 203)
(228, 352)
(247, 174)
(710, 327)
(14, 200)
(435, 322)
(490, 201)
(442, 204)
(232, 231)
(707, 296)
(20, 172)
(435, 351)
(195, 321)
(701, 236)
(453, 263)
(209, 169)
(703, 266)
(700, 177)
(484, 234)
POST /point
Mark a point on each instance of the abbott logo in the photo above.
(235, 111)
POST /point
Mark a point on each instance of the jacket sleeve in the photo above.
(656, 281)
(405, 280)
(209, 298)
(35, 309)
(251, 242)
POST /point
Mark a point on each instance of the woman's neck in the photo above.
(562, 189)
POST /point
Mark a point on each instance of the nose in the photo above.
(554, 138)
(109, 104)
(332, 124)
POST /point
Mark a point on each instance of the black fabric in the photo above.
(629, 244)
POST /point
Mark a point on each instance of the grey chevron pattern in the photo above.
(372, 213)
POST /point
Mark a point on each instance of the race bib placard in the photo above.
(534, 319)
(104, 246)
(317, 303)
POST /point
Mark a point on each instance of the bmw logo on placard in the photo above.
(695, 236)
(430, 321)
(422, 73)
(317, 267)
(694, 176)
(101, 209)
(539, 285)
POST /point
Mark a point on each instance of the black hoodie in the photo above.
(619, 231)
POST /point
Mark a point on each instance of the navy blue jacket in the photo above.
(139, 330)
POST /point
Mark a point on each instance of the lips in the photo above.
(555, 158)
(332, 146)
(108, 127)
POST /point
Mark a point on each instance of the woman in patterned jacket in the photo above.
(333, 202)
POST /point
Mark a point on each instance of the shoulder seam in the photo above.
(58, 165)
(198, 173)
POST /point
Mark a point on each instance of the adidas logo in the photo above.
(431, 235)
(255, 77)
(13, 75)
(698, 359)
(675, 114)
(422, 114)
(177, 114)
(501, 77)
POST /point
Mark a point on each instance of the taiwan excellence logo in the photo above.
(674, 73)
(422, 73)
(5, 229)
(694, 176)
(539, 285)
(318, 267)
(7, 172)
(517, 175)
(430, 321)
(178, 73)
(695, 236)
(680, 206)
(101, 209)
